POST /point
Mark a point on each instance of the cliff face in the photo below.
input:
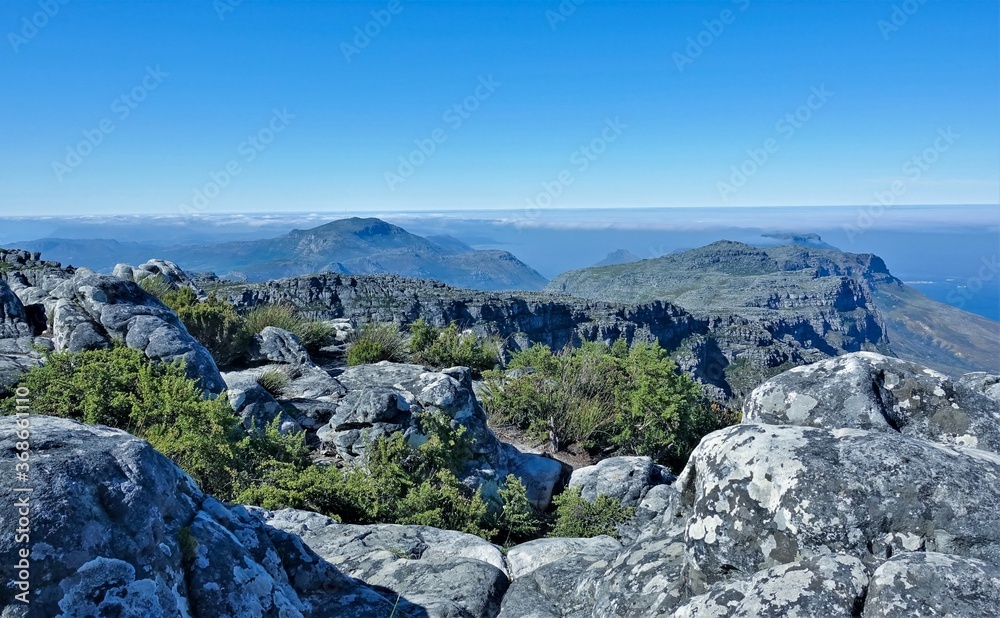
(817, 296)
(707, 346)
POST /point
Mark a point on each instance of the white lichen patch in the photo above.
(968, 440)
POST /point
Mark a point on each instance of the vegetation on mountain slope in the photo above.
(608, 399)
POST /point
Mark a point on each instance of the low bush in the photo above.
(398, 484)
(609, 399)
(312, 334)
(575, 517)
(375, 342)
(447, 347)
(274, 381)
(157, 285)
(217, 326)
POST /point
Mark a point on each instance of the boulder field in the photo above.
(859, 485)
(813, 506)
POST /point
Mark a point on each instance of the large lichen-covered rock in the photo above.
(934, 584)
(830, 585)
(869, 391)
(446, 573)
(118, 529)
(764, 495)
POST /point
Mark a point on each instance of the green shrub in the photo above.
(629, 401)
(180, 299)
(575, 517)
(398, 484)
(217, 326)
(312, 334)
(315, 334)
(157, 285)
(121, 388)
(447, 347)
(278, 316)
(274, 381)
(375, 342)
(517, 520)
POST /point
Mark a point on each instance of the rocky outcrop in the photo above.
(878, 393)
(88, 311)
(729, 353)
(824, 520)
(445, 573)
(19, 348)
(117, 529)
(386, 398)
(170, 273)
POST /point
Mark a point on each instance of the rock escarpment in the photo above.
(729, 353)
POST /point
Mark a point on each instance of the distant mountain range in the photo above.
(835, 291)
(347, 246)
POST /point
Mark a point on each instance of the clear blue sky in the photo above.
(895, 84)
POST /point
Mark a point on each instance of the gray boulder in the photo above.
(117, 529)
(544, 576)
(869, 391)
(933, 584)
(384, 399)
(89, 311)
(527, 557)
(628, 479)
(760, 496)
(986, 383)
(276, 345)
(17, 356)
(165, 269)
(831, 586)
(448, 574)
(13, 320)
